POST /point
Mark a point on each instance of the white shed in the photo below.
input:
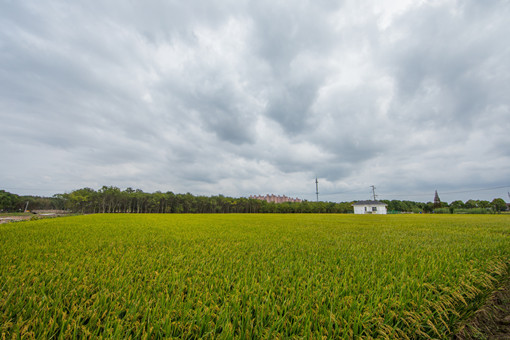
(370, 207)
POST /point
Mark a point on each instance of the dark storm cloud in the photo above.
(238, 98)
(220, 108)
(291, 105)
(282, 38)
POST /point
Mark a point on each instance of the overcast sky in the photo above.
(252, 97)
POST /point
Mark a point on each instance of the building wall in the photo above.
(275, 199)
(381, 210)
(367, 209)
(359, 209)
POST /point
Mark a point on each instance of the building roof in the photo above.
(369, 203)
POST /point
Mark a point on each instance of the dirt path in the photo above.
(492, 321)
(7, 219)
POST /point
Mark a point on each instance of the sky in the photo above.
(240, 97)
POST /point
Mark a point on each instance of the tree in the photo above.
(457, 205)
(428, 207)
(110, 199)
(498, 204)
(470, 204)
(484, 204)
(9, 202)
(81, 200)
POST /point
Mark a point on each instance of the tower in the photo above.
(373, 192)
(437, 201)
(317, 188)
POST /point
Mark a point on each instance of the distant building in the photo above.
(370, 207)
(437, 201)
(274, 198)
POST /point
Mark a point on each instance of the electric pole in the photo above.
(373, 191)
(317, 188)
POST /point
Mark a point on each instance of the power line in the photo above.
(462, 192)
(357, 191)
(450, 192)
(353, 191)
(33, 189)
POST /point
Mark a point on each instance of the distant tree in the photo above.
(59, 202)
(40, 203)
(9, 202)
(470, 204)
(428, 207)
(498, 204)
(113, 200)
(395, 205)
(110, 199)
(81, 200)
(346, 207)
(457, 205)
(483, 204)
(409, 206)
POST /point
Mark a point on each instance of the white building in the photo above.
(370, 207)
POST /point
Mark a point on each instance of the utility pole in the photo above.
(373, 191)
(317, 188)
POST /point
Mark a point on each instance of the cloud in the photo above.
(242, 98)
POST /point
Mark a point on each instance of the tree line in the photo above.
(15, 203)
(110, 199)
(470, 206)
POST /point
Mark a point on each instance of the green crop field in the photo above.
(248, 276)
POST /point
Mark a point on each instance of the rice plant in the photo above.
(248, 276)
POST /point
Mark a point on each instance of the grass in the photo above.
(6, 214)
(248, 276)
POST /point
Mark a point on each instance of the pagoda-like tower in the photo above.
(437, 201)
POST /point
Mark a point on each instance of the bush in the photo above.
(472, 211)
(441, 211)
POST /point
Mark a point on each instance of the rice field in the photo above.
(248, 276)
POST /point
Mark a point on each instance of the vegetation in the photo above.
(248, 276)
(469, 207)
(8, 201)
(14, 203)
(114, 200)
